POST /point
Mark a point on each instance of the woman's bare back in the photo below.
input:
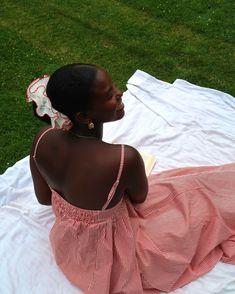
(83, 170)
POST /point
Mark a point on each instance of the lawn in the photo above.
(192, 40)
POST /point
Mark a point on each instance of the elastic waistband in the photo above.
(64, 209)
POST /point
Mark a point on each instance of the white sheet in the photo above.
(182, 124)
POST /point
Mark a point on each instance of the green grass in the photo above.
(192, 40)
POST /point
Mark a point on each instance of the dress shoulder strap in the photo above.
(38, 141)
(114, 187)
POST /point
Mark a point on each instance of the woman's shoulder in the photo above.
(47, 142)
(48, 133)
(51, 132)
(37, 138)
(131, 153)
(132, 157)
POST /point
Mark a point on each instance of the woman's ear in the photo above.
(82, 117)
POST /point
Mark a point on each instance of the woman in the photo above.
(117, 231)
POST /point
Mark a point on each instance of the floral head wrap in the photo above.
(37, 92)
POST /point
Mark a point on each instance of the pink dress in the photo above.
(185, 226)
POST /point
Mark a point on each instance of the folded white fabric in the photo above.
(181, 123)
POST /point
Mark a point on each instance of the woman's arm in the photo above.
(41, 188)
(137, 181)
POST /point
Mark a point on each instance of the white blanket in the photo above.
(182, 124)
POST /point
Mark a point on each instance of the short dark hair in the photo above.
(70, 88)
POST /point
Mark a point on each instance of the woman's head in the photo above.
(84, 93)
(70, 87)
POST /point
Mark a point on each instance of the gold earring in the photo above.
(91, 125)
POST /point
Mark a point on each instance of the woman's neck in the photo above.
(83, 130)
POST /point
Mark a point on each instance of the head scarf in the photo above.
(37, 92)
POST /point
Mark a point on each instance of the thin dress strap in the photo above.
(114, 187)
(39, 139)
